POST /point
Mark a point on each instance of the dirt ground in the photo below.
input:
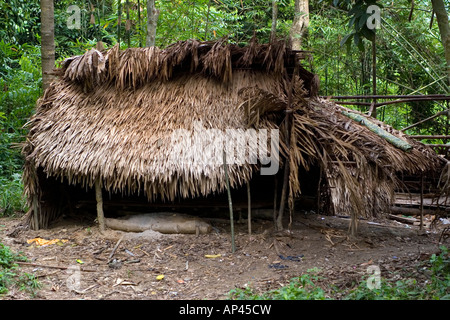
(92, 266)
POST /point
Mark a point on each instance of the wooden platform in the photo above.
(430, 201)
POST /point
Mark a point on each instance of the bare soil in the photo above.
(95, 266)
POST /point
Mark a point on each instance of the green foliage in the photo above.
(406, 289)
(306, 287)
(20, 82)
(440, 275)
(19, 21)
(300, 288)
(9, 272)
(358, 16)
(12, 200)
(410, 58)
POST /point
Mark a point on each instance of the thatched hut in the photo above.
(109, 120)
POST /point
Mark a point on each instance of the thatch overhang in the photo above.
(111, 117)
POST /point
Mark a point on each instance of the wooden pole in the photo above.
(275, 194)
(437, 145)
(286, 174)
(249, 215)
(387, 96)
(99, 198)
(380, 104)
(35, 213)
(443, 136)
(421, 201)
(279, 220)
(230, 203)
(410, 211)
(427, 119)
(318, 190)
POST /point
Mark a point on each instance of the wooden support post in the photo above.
(249, 215)
(275, 193)
(99, 198)
(279, 220)
(230, 203)
(286, 174)
(421, 201)
(35, 213)
(318, 190)
(291, 204)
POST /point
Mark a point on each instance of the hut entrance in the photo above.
(59, 199)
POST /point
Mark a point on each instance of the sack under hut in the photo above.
(107, 124)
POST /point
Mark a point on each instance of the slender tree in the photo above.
(152, 19)
(300, 23)
(273, 31)
(444, 29)
(47, 42)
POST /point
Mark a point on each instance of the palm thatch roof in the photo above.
(110, 115)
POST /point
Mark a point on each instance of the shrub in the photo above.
(12, 199)
(8, 275)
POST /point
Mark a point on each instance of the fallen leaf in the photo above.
(160, 277)
(44, 242)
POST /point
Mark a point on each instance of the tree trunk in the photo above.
(300, 23)
(273, 31)
(47, 42)
(152, 19)
(444, 29)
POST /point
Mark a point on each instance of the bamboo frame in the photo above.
(440, 113)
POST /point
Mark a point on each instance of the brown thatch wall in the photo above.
(111, 115)
(361, 167)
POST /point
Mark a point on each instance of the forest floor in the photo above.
(88, 265)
